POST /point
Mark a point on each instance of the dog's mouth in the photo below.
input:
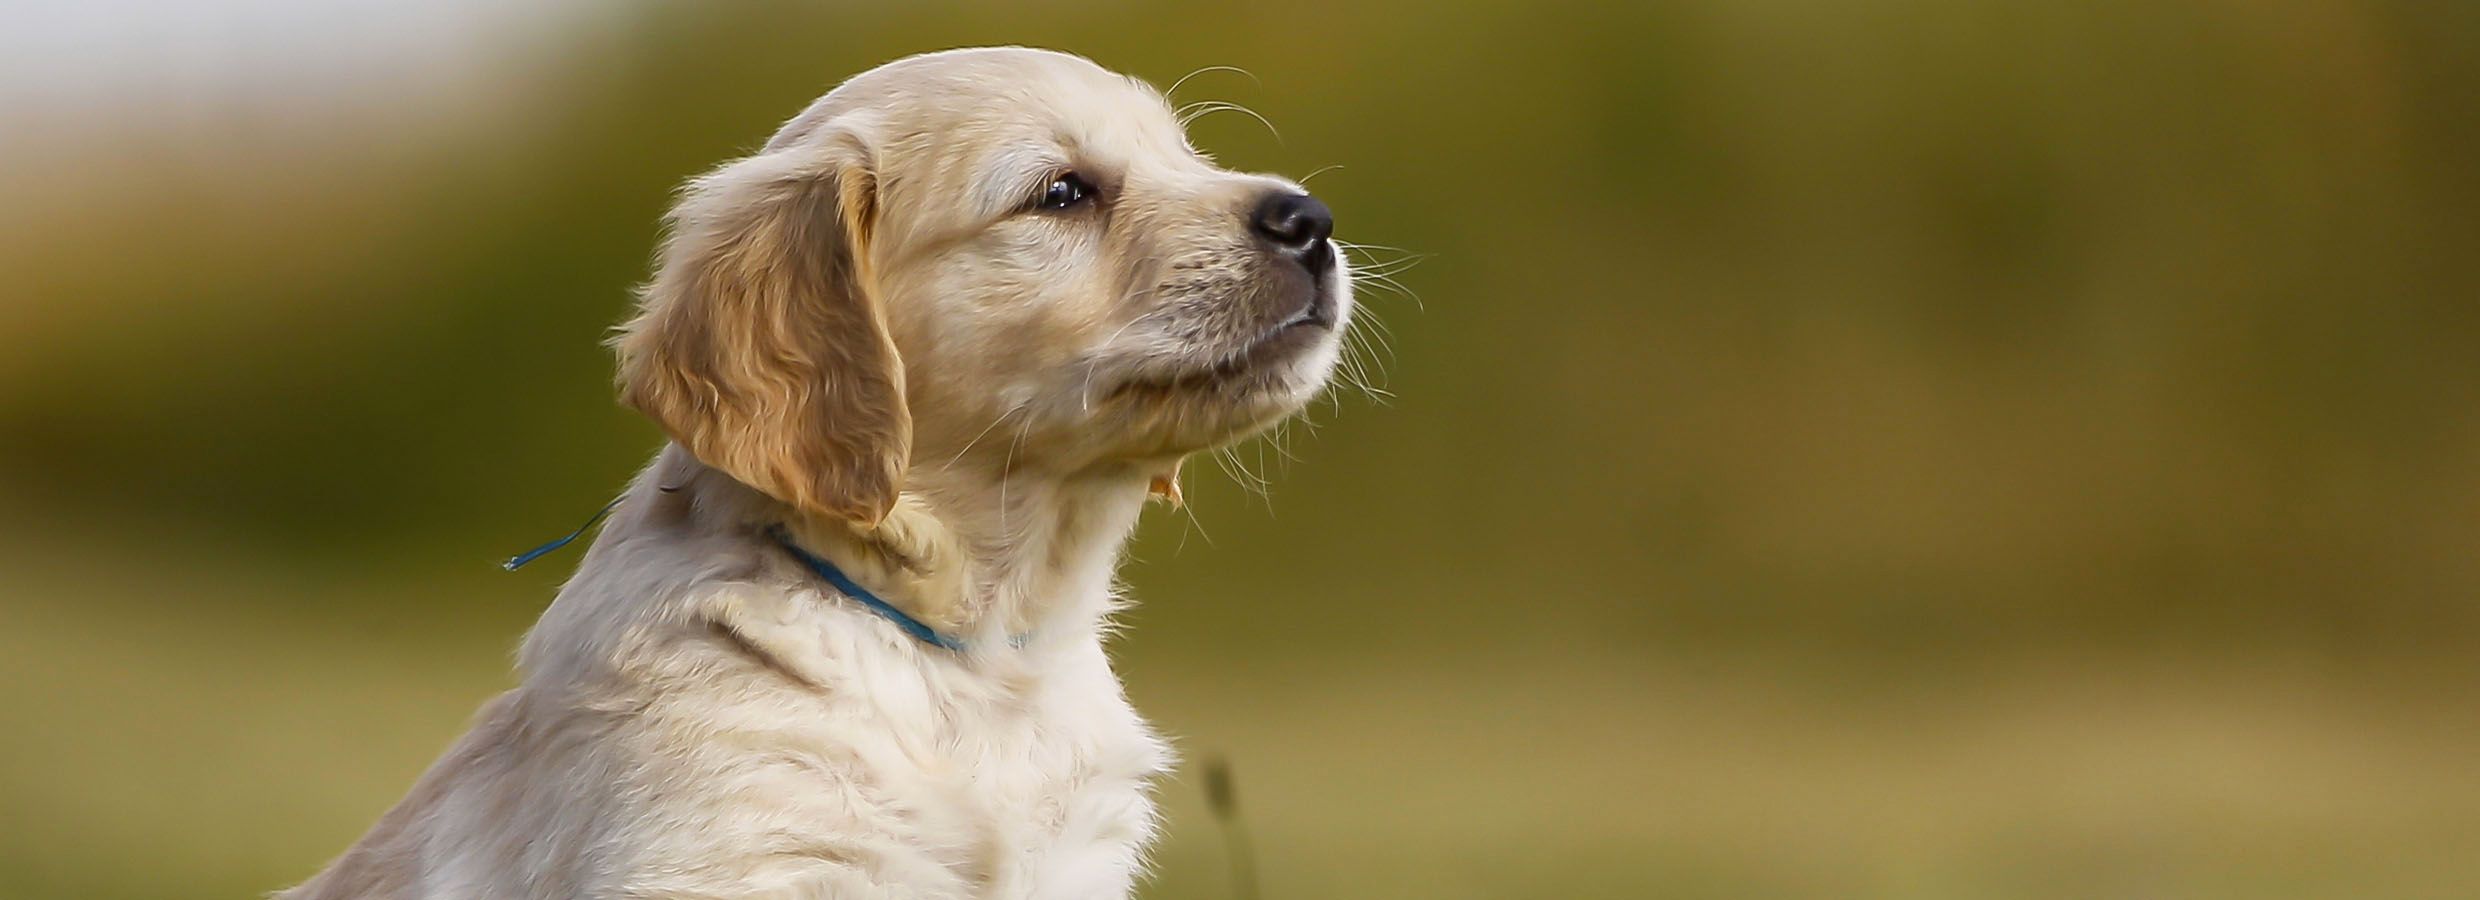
(1257, 363)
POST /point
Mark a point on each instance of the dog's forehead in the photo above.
(1054, 98)
(991, 98)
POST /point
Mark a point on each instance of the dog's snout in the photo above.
(1298, 225)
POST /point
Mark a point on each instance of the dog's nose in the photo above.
(1298, 225)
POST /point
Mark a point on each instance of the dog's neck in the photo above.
(985, 556)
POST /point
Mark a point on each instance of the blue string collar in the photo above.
(518, 561)
(818, 565)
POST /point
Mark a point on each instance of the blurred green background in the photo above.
(1903, 448)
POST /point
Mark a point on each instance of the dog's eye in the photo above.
(1064, 192)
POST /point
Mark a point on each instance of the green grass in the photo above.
(188, 743)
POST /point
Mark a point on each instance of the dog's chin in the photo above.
(1212, 404)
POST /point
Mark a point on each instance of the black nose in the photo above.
(1297, 225)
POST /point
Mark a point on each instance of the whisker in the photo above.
(1377, 333)
(994, 423)
(1361, 246)
(1264, 496)
(1361, 371)
(1190, 509)
(1390, 268)
(1007, 470)
(1281, 439)
(1204, 108)
(1175, 86)
(1388, 284)
(1085, 394)
(1228, 459)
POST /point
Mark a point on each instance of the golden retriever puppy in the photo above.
(920, 359)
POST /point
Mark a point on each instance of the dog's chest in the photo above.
(1030, 785)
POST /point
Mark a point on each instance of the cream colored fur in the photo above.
(863, 335)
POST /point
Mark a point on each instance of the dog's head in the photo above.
(1004, 254)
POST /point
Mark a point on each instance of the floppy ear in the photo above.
(758, 345)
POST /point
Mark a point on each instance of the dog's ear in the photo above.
(759, 346)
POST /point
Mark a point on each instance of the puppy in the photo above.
(920, 361)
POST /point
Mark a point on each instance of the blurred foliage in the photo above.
(1910, 448)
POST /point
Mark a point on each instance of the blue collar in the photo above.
(921, 631)
(518, 561)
